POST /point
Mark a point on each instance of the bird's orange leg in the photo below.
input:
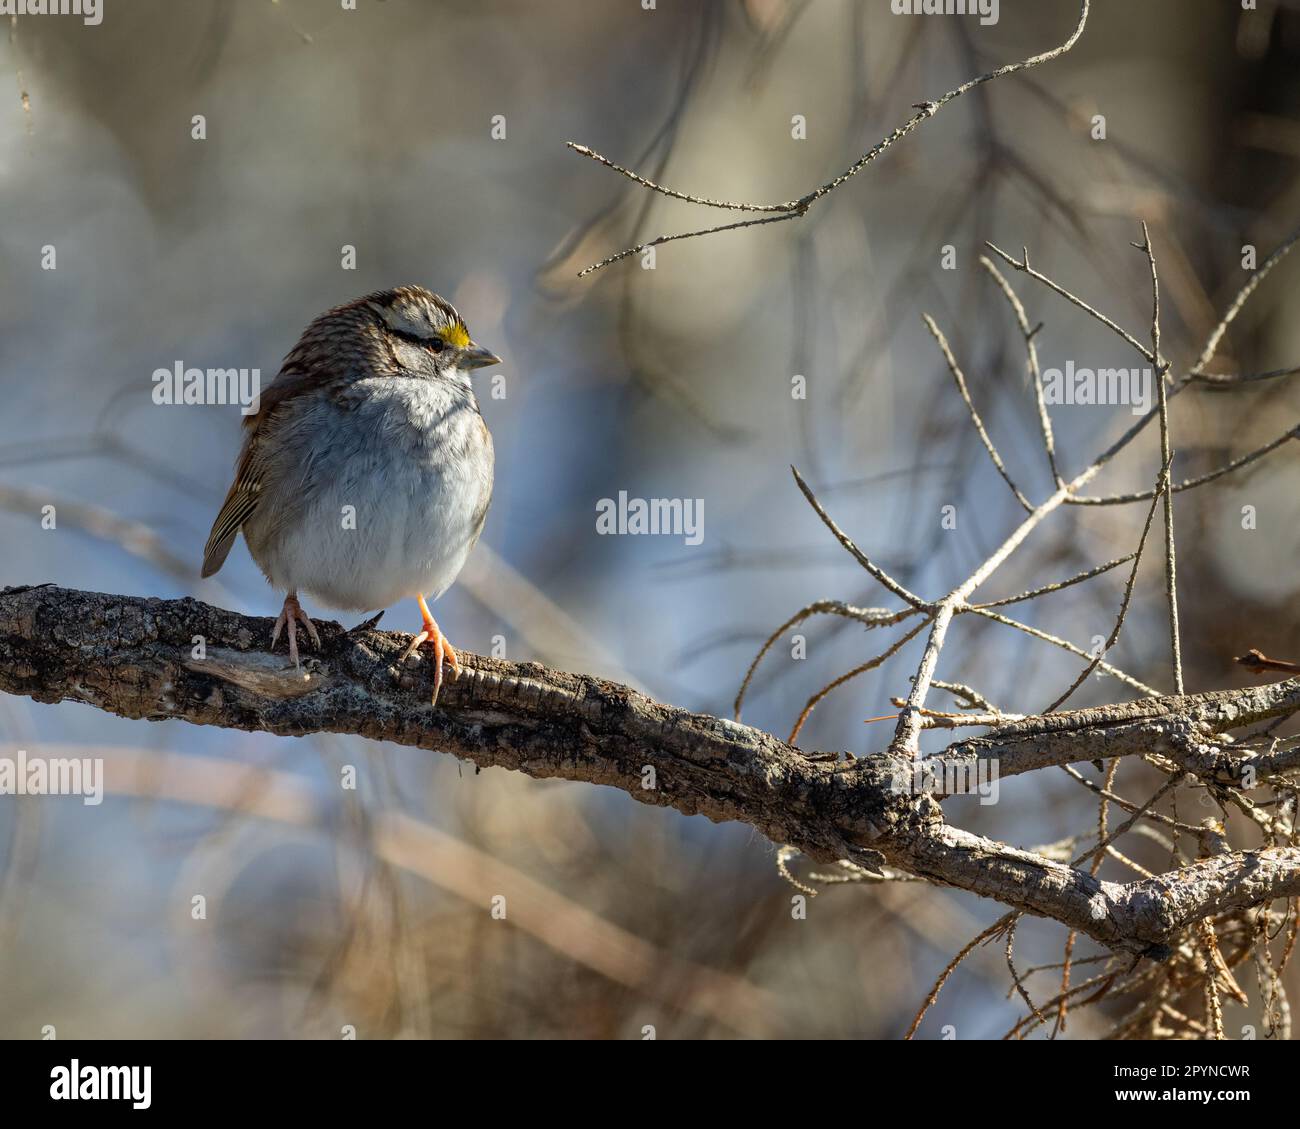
(292, 611)
(442, 650)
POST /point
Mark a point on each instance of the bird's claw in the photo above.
(443, 651)
(290, 616)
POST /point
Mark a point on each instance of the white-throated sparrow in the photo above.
(366, 473)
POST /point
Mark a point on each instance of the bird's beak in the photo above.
(478, 357)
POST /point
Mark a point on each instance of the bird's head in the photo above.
(424, 334)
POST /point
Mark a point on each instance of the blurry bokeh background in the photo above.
(373, 128)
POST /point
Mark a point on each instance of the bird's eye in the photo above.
(434, 344)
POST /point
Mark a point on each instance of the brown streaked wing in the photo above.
(241, 499)
(240, 502)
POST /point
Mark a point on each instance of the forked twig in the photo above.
(796, 209)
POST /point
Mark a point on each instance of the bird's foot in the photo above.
(443, 651)
(290, 616)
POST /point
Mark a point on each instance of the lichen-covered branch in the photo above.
(185, 660)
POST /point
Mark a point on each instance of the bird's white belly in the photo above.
(390, 510)
(405, 543)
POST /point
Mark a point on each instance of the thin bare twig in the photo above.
(1166, 460)
(1086, 673)
(703, 201)
(1031, 362)
(1216, 334)
(870, 664)
(796, 209)
(1065, 645)
(1034, 593)
(967, 694)
(964, 392)
(1103, 843)
(1015, 976)
(858, 555)
(871, 617)
(1191, 483)
(1220, 381)
(1128, 805)
(993, 930)
(1023, 265)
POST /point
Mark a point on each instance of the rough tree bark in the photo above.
(135, 657)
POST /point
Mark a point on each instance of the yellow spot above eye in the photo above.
(456, 335)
